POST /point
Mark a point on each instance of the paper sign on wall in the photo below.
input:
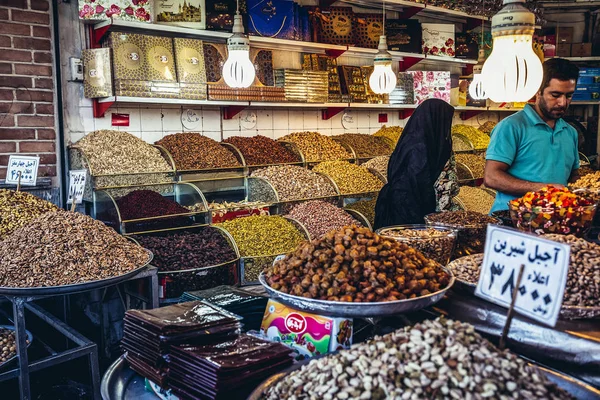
(544, 278)
(26, 166)
(76, 185)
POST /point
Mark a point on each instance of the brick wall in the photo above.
(27, 99)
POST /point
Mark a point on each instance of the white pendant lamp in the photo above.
(476, 88)
(513, 72)
(238, 70)
(382, 80)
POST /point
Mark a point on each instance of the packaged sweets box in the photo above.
(128, 10)
(438, 39)
(431, 85)
(273, 18)
(307, 334)
(404, 35)
(185, 13)
(97, 77)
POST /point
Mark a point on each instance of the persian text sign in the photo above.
(25, 166)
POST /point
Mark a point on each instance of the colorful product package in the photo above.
(466, 46)
(186, 13)
(189, 60)
(334, 25)
(369, 27)
(404, 35)
(160, 61)
(273, 18)
(128, 10)
(431, 85)
(307, 334)
(438, 39)
(97, 76)
(220, 13)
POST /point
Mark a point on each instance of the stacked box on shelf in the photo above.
(127, 10)
(160, 61)
(404, 92)
(372, 97)
(191, 73)
(438, 39)
(334, 25)
(97, 75)
(129, 62)
(353, 83)
(321, 62)
(404, 35)
(185, 13)
(274, 18)
(588, 85)
(302, 85)
(253, 93)
(368, 29)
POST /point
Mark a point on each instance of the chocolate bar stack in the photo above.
(227, 370)
(150, 334)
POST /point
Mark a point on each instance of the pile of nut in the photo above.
(479, 139)
(391, 134)
(296, 183)
(475, 162)
(487, 127)
(8, 344)
(467, 268)
(237, 205)
(435, 359)
(116, 152)
(379, 164)
(191, 150)
(350, 178)
(366, 208)
(18, 208)
(261, 150)
(62, 248)
(589, 181)
(320, 217)
(476, 199)
(317, 147)
(354, 264)
(436, 244)
(460, 143)
(365, 145)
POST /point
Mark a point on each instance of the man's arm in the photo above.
(497, 178)
(574, 176)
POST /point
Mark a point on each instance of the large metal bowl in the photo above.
(357, 310)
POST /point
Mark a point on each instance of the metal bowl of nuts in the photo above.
(8, 344)
(435, 242)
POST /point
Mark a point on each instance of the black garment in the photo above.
(420, 156)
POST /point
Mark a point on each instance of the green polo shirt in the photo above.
(534, 151)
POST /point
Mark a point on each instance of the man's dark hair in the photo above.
(558, 68)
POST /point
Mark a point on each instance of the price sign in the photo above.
(25, 166)
(546, 263)
(76, 185)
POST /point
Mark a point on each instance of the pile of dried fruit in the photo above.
(295, 183)
(475, 162)
(191, 150)
(476, 199)
(317, 147)
(439, 359)
(261, 150)
(63, 248)
(379, 164)
(487, 127)
(434, 243)
(366, 208)
(18, 208)
(354, 264)
(589, 181)
(8, 344)
(146, 204)
(479, 139)
(350, 178)
(365, 145)
(391, 134)
(320, 217)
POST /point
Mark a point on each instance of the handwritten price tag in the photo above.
(26, 166)
(76, 185)
(540, 293)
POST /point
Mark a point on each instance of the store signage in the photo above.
(545, 265)
(77, 179)
(22, 170)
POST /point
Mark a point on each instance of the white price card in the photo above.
(26, 166)
(76, 185)
(542, 287)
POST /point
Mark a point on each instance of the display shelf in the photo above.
(297, 105)
(411, 8)
(581, 59)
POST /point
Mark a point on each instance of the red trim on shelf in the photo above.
(467, 69)
(468, 114)
(96, 35)
(408, 12)
(408, 62)
(331, 112)
(100, 109)
(230, 112)
(334, 53)
(403, 114)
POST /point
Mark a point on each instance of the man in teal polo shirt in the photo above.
(535, 147)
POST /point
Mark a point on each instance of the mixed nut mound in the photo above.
(435, 359)
(379, 164)
(191, 150)
(365, 145)
(317, 147)
(62, 248)
(391, 134)
(18, 208)
(476, 199)
(354, 264)
(589, 181)
(366, 208)
(350, 178)
(320, 217)
(434, 243)
(261, 150)
(8, 345)
(296, 183)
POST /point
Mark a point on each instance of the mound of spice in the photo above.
(365, 145)
(350, 178)
(317, 147)
(18, 209)
(296, 183)
(191, 150)
(146, 204)
(63, 248)
(320, 217)
(261, 150)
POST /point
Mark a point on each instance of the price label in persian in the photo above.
(24, 166)
(77, 179)
(542, 287)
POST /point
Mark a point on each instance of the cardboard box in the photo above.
(439, 40)
(127, 10)
(466, 46)
(128, 56)
(186, 13)
(273, 18)
(431, 85)
(369, 27)
(587, 92)
(189, 60)
(581, 50)
(132, 88)
(404, 92)
(219, 14)
(97, 76)
(335, 25)
(160, 61)
(563, 49)
(404, 35)
(307, 334)
(564, 35)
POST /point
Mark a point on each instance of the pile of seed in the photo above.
(487, 127)
(365, 145)
(8, 344)
(366, 208)
(261, 150)
(391, 134)
(475, 162)
(476, 199)
(18, 208)
(479, 139)
(317, 147)
(62, 248)
(116, 152)
(146, 204)
(430, 360)
(379, 164)
(434, 243)
(191, 150)
(320, 217)
(295, 183)
(350, 178)
(354, 264)
(589, 181)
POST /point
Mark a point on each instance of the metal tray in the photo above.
(566, 311)
(357, 310)
(74, 288)
(29, 337)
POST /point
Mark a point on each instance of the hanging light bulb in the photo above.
(513, 72)
(382, 80)
(238, 70)
(476, 88)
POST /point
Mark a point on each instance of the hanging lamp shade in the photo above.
(383, 79)
(238, 70)
(477, 86)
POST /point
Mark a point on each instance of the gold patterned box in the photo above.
(215, 55)
(368, 29)
(128, 56)
(189, 60)
(164, 90)
(335, 25)
(132, 88)
(160, 62)
(97, 76)
(192, 91)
